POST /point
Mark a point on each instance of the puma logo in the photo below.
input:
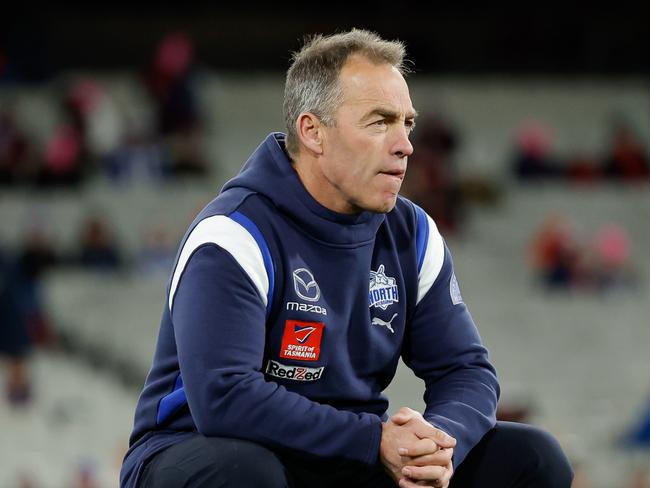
(380, 322)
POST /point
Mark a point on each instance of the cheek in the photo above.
(356, 160)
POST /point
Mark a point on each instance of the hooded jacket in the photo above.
(285, 321)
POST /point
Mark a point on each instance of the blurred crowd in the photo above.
(24, 316)
(562, 260)
(626, 159)
(94, 135)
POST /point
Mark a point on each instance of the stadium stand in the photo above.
(578, 359)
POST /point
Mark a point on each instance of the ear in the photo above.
(309, 129)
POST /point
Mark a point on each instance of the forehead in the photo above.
(365, 84)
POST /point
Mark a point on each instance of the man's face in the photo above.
(364, 153)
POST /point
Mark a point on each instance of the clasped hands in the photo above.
(414, 452)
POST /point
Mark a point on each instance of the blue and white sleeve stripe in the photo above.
(239, 236)
(430, 252)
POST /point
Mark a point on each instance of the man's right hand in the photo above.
(407, 436)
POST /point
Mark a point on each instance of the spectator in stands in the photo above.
(13, 151)
(554, 251)
(99, 249)
(14, 338)
(564, 262)
(627, 160)
(79, 100)
(139, 158)
(533, 160)
(35, 258)
(98, 119)
(169, 81)
(68, 157)
(63, 158)
(612, 250)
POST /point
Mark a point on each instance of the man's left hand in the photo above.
(424, 466)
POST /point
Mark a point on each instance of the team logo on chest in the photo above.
(383, 289)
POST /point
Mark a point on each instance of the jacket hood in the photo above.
(269, 172)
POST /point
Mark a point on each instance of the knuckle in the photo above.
(427, 473)
(440, 434)
(423, 447)
(422, 461)
(417, 472)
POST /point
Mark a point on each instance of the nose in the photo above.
(402, 146)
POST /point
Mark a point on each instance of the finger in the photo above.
(424, 429)
(424, 473)
(443, 481)
(442, 457)
(406, 483)
(446, 478)
(420, 447)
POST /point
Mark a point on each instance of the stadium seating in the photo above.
(579, 360)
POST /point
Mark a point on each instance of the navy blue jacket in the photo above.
(284, 321)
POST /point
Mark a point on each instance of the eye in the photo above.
(380, 122)
(410, 125)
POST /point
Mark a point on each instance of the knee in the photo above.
(247, 464)
(542, 459)
(204, 462)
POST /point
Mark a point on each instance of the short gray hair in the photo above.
(312, 83)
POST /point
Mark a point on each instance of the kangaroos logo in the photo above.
(383, 289)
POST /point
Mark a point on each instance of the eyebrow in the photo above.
(389, 114)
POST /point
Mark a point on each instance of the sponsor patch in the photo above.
(306, 307)
(383, 289)
(383, 323)
(305, 285)
(301, 340)
(296, 373)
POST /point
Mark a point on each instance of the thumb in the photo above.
(403, 415)
(438, 436)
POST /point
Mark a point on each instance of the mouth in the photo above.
(396, 173)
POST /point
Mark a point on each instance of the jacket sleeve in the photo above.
(219, 324)
(443, 347)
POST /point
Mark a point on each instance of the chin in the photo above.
(385, 206)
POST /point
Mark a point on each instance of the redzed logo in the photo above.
(296, 373)
(301, 340)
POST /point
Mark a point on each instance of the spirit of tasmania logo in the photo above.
(383, 289)
(301, 340)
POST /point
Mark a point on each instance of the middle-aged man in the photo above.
(293, 296)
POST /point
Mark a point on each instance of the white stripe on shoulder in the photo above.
(434, 255)
(234, 238)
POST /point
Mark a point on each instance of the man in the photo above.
(293, 296)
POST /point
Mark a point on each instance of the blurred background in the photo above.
(532, 154)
